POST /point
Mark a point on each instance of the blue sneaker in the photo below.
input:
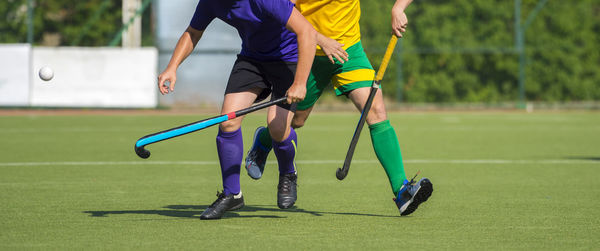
(411, 195)
(257, 156)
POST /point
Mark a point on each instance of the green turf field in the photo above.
(502, 180)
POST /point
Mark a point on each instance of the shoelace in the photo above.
(412, 181)
(253, 155)
(221, 196)
(409, 183)
(287, 183)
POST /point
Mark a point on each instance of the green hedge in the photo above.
(464, 50)
(63, 22)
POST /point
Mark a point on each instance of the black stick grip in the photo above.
(260, 106)
(142, 153)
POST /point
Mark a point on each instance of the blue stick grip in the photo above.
(195, 126)
(171, 133)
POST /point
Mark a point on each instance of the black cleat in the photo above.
(286, 190)
(223, 203)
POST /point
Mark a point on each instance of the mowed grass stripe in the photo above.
(502, 181)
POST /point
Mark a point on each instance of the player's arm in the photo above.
(332, 48)
(183, 49)
(399, 19)
(307, 43)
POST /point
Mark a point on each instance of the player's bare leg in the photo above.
(284, 142)
(230, 148)
(300, 118)
(408, 194)
(234, 102)
(377, 113)
(359, 98)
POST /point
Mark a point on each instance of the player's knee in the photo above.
(229, 126)
(297, 123)
(300, 118)
(376, 114)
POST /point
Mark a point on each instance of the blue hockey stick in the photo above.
(195, 126)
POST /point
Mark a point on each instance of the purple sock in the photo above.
(230, 147)
(286, 153)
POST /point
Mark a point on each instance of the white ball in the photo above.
(46, 73)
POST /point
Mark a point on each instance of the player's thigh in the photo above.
(237, 101)
(319, 79)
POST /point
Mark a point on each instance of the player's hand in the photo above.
(169, 76)
(333, 49)
(296, 93)
(399, 23)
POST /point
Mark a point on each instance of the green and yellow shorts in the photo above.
(356, 73)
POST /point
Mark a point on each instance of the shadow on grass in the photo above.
(194, 211)
(260, 208)
(590, 158)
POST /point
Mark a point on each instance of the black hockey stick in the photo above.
(195, 126)
(342, 172)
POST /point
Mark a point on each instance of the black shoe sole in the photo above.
(422, 195)
(286, 205)
(217, 216)
(236, 207)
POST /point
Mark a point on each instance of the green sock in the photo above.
(387, 149)
(265, 138)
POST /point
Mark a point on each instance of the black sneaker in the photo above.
(223, 203)
(286, 190)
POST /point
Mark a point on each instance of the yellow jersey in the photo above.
(336, 19)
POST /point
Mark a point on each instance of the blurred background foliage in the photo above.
(68, 22)
(454, 51)
(464, 50)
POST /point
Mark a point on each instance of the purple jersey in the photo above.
(260, 24)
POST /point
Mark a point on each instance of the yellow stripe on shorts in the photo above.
(350, 77)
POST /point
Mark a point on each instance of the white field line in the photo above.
(414, 161)
(451, 128)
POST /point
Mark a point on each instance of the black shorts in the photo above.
(274, 78)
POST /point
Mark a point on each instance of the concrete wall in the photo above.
(202, 78)
(15, 74)
(83, 77)
(114, 77)
(96, 77)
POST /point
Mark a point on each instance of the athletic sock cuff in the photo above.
(229, 134)
(223, 134)
(380, 126)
